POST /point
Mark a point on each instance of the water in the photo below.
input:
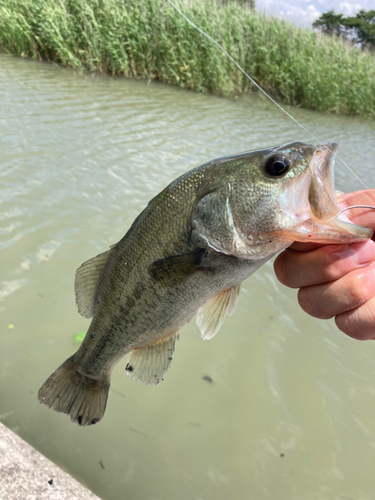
(278, 405)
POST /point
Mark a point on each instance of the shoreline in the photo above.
(147, 39)
(24, 472)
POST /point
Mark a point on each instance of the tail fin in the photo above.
(82, 398)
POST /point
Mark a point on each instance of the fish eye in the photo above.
(277, 165)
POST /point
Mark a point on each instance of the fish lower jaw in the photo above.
(354, 230)
(333, 232)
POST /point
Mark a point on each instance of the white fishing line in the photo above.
(354, 206)
(260, 88)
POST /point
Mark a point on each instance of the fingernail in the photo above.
(364, 252)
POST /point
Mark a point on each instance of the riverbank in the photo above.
(25, 473)
(148, 39)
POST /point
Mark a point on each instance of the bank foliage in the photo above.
(148, 39)
(358, 29)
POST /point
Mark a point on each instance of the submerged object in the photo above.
(186, 254)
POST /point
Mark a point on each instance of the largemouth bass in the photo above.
(187, 253)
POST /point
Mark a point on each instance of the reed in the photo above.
(148, 39)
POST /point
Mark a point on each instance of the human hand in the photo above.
(336, 280)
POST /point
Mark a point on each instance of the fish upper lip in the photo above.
(322, 196)
(323, 159)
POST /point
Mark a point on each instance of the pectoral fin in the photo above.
(86, 282)
(175, 270)
(150, 364)
(211, 316)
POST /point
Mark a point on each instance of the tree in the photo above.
(330, 23)
(359, 28)
(363, 27)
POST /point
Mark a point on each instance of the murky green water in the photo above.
(290, 411)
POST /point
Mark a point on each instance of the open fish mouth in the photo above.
(321, 196)
(325, 224)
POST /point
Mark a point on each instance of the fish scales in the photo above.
(187, 253)
(168, 214)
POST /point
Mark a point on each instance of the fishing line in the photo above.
(258, 86)
(354, 206)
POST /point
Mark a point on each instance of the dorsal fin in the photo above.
(212, 314)
(86, 282)
(150, 364)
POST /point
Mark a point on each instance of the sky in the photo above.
(304, 12)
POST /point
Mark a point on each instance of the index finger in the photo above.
(305, 247)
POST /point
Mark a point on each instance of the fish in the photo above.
(187, 254)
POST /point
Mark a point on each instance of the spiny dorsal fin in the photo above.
(86, 282)
(175, 270)
(212, 314)
(150, 364)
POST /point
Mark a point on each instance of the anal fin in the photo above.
(150, 364)
(212, 314)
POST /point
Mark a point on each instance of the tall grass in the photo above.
(148, 39)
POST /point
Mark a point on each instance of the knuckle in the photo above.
(361, 287)
(332, 261)
(283, 269)
(359, 322)
(310, 303)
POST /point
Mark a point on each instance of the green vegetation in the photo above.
(358, 29)
(78, 337)
(148, 39)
